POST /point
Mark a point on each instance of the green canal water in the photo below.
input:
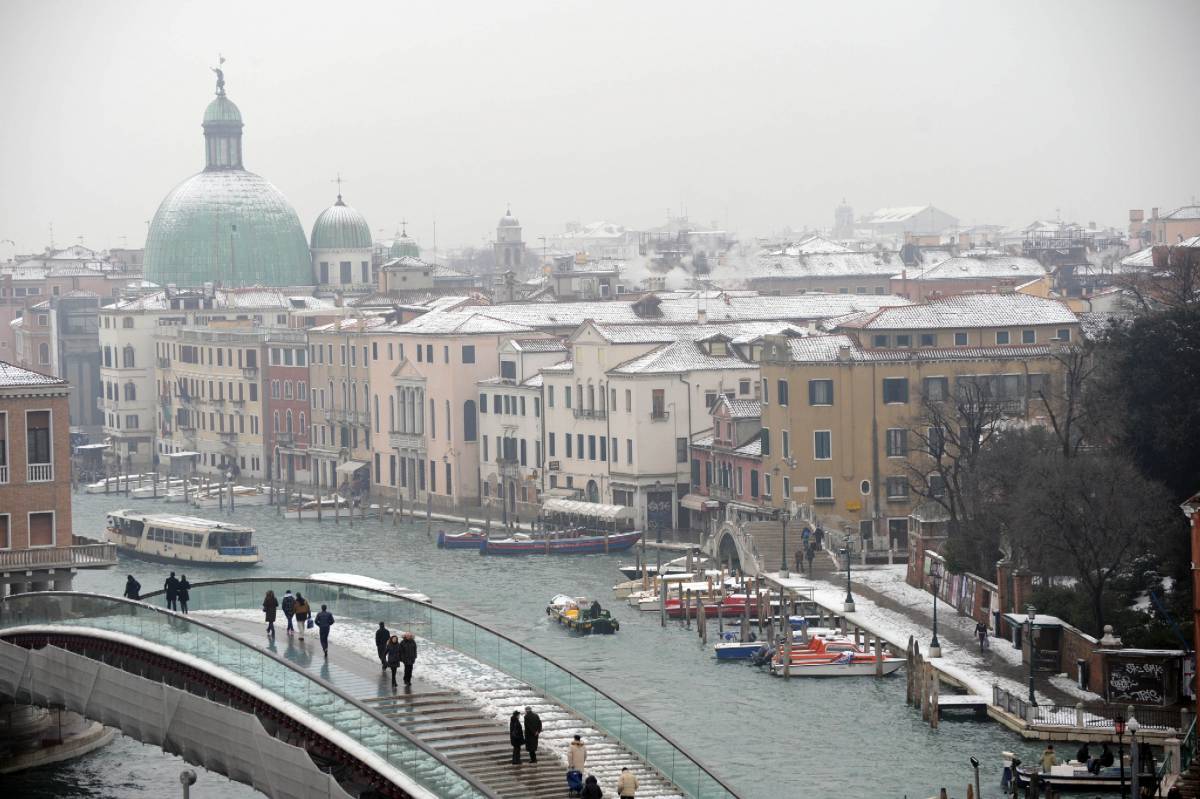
(764, 736)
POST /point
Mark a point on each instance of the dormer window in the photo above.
(718, 348)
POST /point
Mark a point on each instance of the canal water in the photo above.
(764, 736)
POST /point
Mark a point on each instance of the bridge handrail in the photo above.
(11, 617)
(664, 753)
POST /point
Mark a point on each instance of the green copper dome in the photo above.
(403, 246)
(340, 227)
(226, 225)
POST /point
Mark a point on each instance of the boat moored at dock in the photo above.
(565, 543)
(836, 658)
(181, 539)
(471, 538)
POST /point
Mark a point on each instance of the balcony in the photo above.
(660, 415)
(84, 553)
(218, 401)
(164, 363)
(509, 467)
(228, 435)
(250, 372)
(285, 439)
(410, 441)
(40, 473)
(720, 492)
(4, 474)
(591, 413)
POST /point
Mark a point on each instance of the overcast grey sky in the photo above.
(754, 115)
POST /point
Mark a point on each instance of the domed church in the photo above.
(342, 249)
(225, 225)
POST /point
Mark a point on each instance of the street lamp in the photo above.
(1135, 766)
(783, 556)
(935, 574)
(1030, 615)
(1119, 729)
(848, 605)
(975, 765)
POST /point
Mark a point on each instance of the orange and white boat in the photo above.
(834, 658)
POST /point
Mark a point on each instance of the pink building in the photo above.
(727, 467)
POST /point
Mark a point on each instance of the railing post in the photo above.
(1079, 715)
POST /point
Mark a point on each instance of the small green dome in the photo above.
(222, 110)
(340, 227)
(404, 247)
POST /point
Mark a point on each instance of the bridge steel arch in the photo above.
(170, 680)
(731, 540)
(445, 627)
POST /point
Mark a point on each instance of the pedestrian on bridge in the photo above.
(408, 655)
(171, 586)
(591, 789)
(270, 605)
(324, 621)
(533, 729)
(576, 754)
(303, 611)
(516, 736)
(819, 537)
(382, 636)
(184, 592)
(627, 785)
(288, 606)
(133, 589)
(391, 654)
(810, 552)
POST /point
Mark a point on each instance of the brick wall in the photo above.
(1073, 645)
(969, 594)
(19, 498)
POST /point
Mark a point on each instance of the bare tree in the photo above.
(1062, 396)
(1173, 281)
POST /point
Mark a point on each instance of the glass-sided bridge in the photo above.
(386, 744)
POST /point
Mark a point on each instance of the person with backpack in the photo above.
(133, 589)
(324, 621)
(981, 632)
(171, 586)
(303, 611)
(183, 593)
(810, 552)
(382, 636)
(270, 604)
(288, 606)
(516, 736)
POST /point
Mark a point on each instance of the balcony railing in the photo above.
(398, 440)
(720, 492)
(250, 372)
(228, 435)
(591, 413)
(40, 473)
(3, 474)
(660, 416)
(509, 467)
(85, 553)
(164, 363)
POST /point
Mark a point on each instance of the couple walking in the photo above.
(393, 651)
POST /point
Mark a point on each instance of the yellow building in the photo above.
(844, 416)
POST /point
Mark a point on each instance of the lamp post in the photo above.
(935, 574)
(1030, 615)
(975, 766)
(1119, 729)
(1135, 761)
(848, 605)
(783, 558)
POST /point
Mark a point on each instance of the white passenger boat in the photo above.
(114, 485)
(181, 539)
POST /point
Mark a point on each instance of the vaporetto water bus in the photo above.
(169, 538)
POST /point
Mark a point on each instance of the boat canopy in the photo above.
(350, 467)
(698, 502)
(595, 510)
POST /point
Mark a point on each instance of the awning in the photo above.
(90, 447)
(594, 510)
(187, 454)
(565, 493)
(699, 502)
(350, 467)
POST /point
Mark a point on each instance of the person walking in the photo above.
(819, 537)
(288, 606)
(171, 586)
(183, 593)
(810, 552)
(324, 621)
(576, 754)
(408, 655)
(516, 736)
(799, 560)
(805, 536)
(270, 605)
(391, 654)
(382, 636)
(303, 611)
(591, 789)
(981, 632)
(133, 589)
(627, 784)
(533, 729)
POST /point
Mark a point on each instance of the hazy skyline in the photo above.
(754, 116)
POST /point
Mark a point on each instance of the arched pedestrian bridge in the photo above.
(291, 725)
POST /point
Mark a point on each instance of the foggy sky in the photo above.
(751, 115)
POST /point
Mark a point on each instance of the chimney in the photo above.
(701, 315)
(844, 352)
(1154, 213)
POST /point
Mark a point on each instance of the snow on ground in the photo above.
(497, 695)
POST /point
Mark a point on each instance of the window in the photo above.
(743, 388)
(897, 442)
(445, 359)
(579, 445)
(928, 339)
(785, 444)
(628, 400)
(483, 403)
(37, 437)
(824, 489)
(960, 339)
(127, 322)
(658, 400)
(1028, 336)
(567, 396)
(822, 445)
(710, 399)
(420, 355)
(127, 357)
(468, 353)
(130, 392)
(937, 485)
(880, 341)
(936, 389)
(497, 400)
(820, 392)
(552, 448)
(936, 437)
(41, 529)
(604, 448)
(469, 420)
(782, 392)
(1037, 385)
(1063, 334)
(1001, 337)
(897, 488)
(629, 450)
(764, 438)
(549, 396)
(904, 340)
(895, 390)
(754, 483)
(44, 354)
(765, 384)
(591, 450)
(681, 450)
(523, 453)
(569, 439)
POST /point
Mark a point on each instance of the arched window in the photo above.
(127, 356)
(469, 420)
(43, 354)
(288, 421)
(301, 429)
(107, 355)
(276, 418)
(130, 392)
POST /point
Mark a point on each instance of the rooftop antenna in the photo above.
(52, 235)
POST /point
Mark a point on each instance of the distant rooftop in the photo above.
(13, 376)
(967, 310)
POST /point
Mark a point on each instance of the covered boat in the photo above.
(577, 615)
(570, 542)
(181, 539)
(471, 538)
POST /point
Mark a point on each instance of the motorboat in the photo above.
(157, 490)
(471, 538)
(181, 539)
(1069, 776)
(824, 658)
(570, 542)
(671, 567)
(580, 616)
(730, 647)
(215, 497)
(118, 484)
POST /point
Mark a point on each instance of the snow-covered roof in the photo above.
(743, 408)
(13, 376)
(352, 324)
(897, 214)
(737, 332)
(1142, 259)
(539, 344)
(967, 310)
(677, 357)
(821, 264)
(1184, 212)
(810, 245)
(458, 322)
(982, 268)
(226, 299)
(826, 349)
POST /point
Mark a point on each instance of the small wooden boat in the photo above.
(471, 538)
(216, 497)
(1070, 776)
(823, 658)
(572, 543)
(671, 567)
(578, 616)
(158, 490)
(730, 648)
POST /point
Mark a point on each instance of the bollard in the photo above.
(878, 657)
(787, 651)
(662, 601)
(934, 713)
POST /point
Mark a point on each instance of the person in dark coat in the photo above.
(391, 654)
(288, 606)
(819, 537)
(270, 605)
(324, 621)
(302, 610)
(591, 789)
(183, 593)
(171, 586)
(516, 736)
(810, 552)
(1106, 757)
(408, 656)
(381, 641)
(533, 728)
(133, 589)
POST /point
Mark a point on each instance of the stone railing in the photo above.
(85, 553)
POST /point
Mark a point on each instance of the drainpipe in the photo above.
(688, 432)
(874, 452)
